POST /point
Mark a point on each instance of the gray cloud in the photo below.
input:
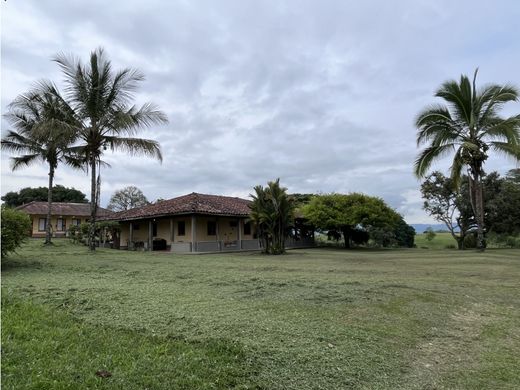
(320, 94)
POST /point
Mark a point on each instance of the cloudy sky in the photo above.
(322, 94)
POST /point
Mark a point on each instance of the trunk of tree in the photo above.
(346, 236)
(479, 200)
(48, 228)
(460, 243)
(93, 206)
(477, 204)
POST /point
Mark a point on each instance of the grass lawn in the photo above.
(440, 241)
(312, 319)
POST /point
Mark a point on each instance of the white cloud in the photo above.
(323, 95)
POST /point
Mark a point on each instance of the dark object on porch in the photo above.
(159, 244)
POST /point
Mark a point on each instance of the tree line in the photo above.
(451, 205)
(356, 218)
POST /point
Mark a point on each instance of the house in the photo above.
(189, 223)
(63, 216)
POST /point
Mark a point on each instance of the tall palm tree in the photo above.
(102, 100)
(468, 126)
(42, 123)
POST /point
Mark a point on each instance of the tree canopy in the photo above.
(127, 198)
(448, 204)
(355, 213)
(29, 194)
(452, 205)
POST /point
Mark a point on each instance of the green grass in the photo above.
(312, 319)
(441, 241)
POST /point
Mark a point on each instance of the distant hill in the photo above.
(421, 227)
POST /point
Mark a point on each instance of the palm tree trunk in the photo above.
(48, 228)
(93, 204)
(479, 205)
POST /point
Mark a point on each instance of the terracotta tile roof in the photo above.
(188, 204)
(62, 208)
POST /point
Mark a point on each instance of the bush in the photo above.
(105, 231)
(513, 242)
(430, 234)
(16, 227)
(470, 241)
(74, 233)
(503, 240)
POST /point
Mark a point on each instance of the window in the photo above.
(233, 223)
(247, 229)
(60, 225)
(154, 229)
(181, 228)
(212, 228)
(42, 224)
(76, 221)
(135, 226)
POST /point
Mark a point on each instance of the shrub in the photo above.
(16, 227)
(513, 242)
(74, 233)
(430, 234)
(470, 241)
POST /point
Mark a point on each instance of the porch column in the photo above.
(218, 234)
(193, 233)
(150, 240)
(171, 231)
(240, 224)
(131, 236)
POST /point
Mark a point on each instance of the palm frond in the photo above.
(125, 82)
(507, 149)
(428, 155)
(135, 146)
(24, 161)
(491, 98)
(459, 96)
(503, 129)
(456, 168)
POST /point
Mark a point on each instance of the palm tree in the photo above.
(272, 211)
(102, 100)
(469, 126)
(43, 123)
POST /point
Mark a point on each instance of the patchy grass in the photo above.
(319, 318)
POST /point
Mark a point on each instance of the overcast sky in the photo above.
(322, 94)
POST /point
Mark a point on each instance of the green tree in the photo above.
(42, 123)
(349, 213)
(102, 100)
(469, 126)
(16, 226)
(127, 198)
(404, 234)
(272, 212)
(40, 194)
(447, 204)
(430, 234)
(502, 203)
